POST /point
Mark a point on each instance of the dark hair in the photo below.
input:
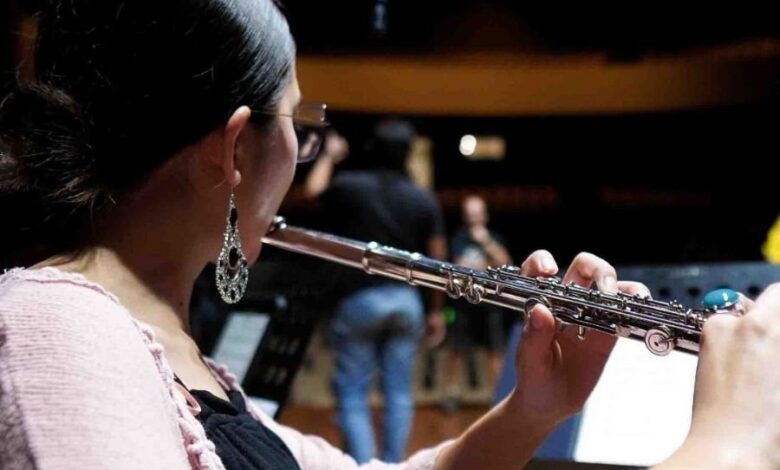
(110, 76)
(391, 142)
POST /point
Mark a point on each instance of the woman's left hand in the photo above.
(556, 370)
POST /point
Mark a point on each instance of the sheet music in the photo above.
(239, 340)
(640, 411)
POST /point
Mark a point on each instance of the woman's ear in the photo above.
(235, 125)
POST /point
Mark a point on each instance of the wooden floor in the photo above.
(312, 385)
(430, 427)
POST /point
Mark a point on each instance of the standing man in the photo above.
(477, 247)
(378, 323)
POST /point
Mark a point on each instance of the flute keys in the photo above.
(474, 293)
(452, 289)
(660, 341)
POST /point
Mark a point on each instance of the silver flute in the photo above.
(663, 326)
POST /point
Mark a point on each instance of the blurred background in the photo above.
(644, 133)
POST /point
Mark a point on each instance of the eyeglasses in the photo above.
(310, 123)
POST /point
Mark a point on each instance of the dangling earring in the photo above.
(232, 267)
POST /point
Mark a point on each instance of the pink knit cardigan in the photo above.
(85, 386)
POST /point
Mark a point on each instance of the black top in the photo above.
(463, 246)
(382, 206)
(242, 442)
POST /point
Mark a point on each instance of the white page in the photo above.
(640, 411)
(239, 340)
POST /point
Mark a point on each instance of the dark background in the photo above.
(695, 185)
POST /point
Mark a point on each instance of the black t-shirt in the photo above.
(463, 246)
(382, 206)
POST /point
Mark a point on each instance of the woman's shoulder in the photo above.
(46, 291)
(63, 312)
(81, 373)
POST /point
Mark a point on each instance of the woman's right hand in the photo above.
(736, 410)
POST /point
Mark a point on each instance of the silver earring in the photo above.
(232, 267)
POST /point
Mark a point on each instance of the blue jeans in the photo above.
(376, 327)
